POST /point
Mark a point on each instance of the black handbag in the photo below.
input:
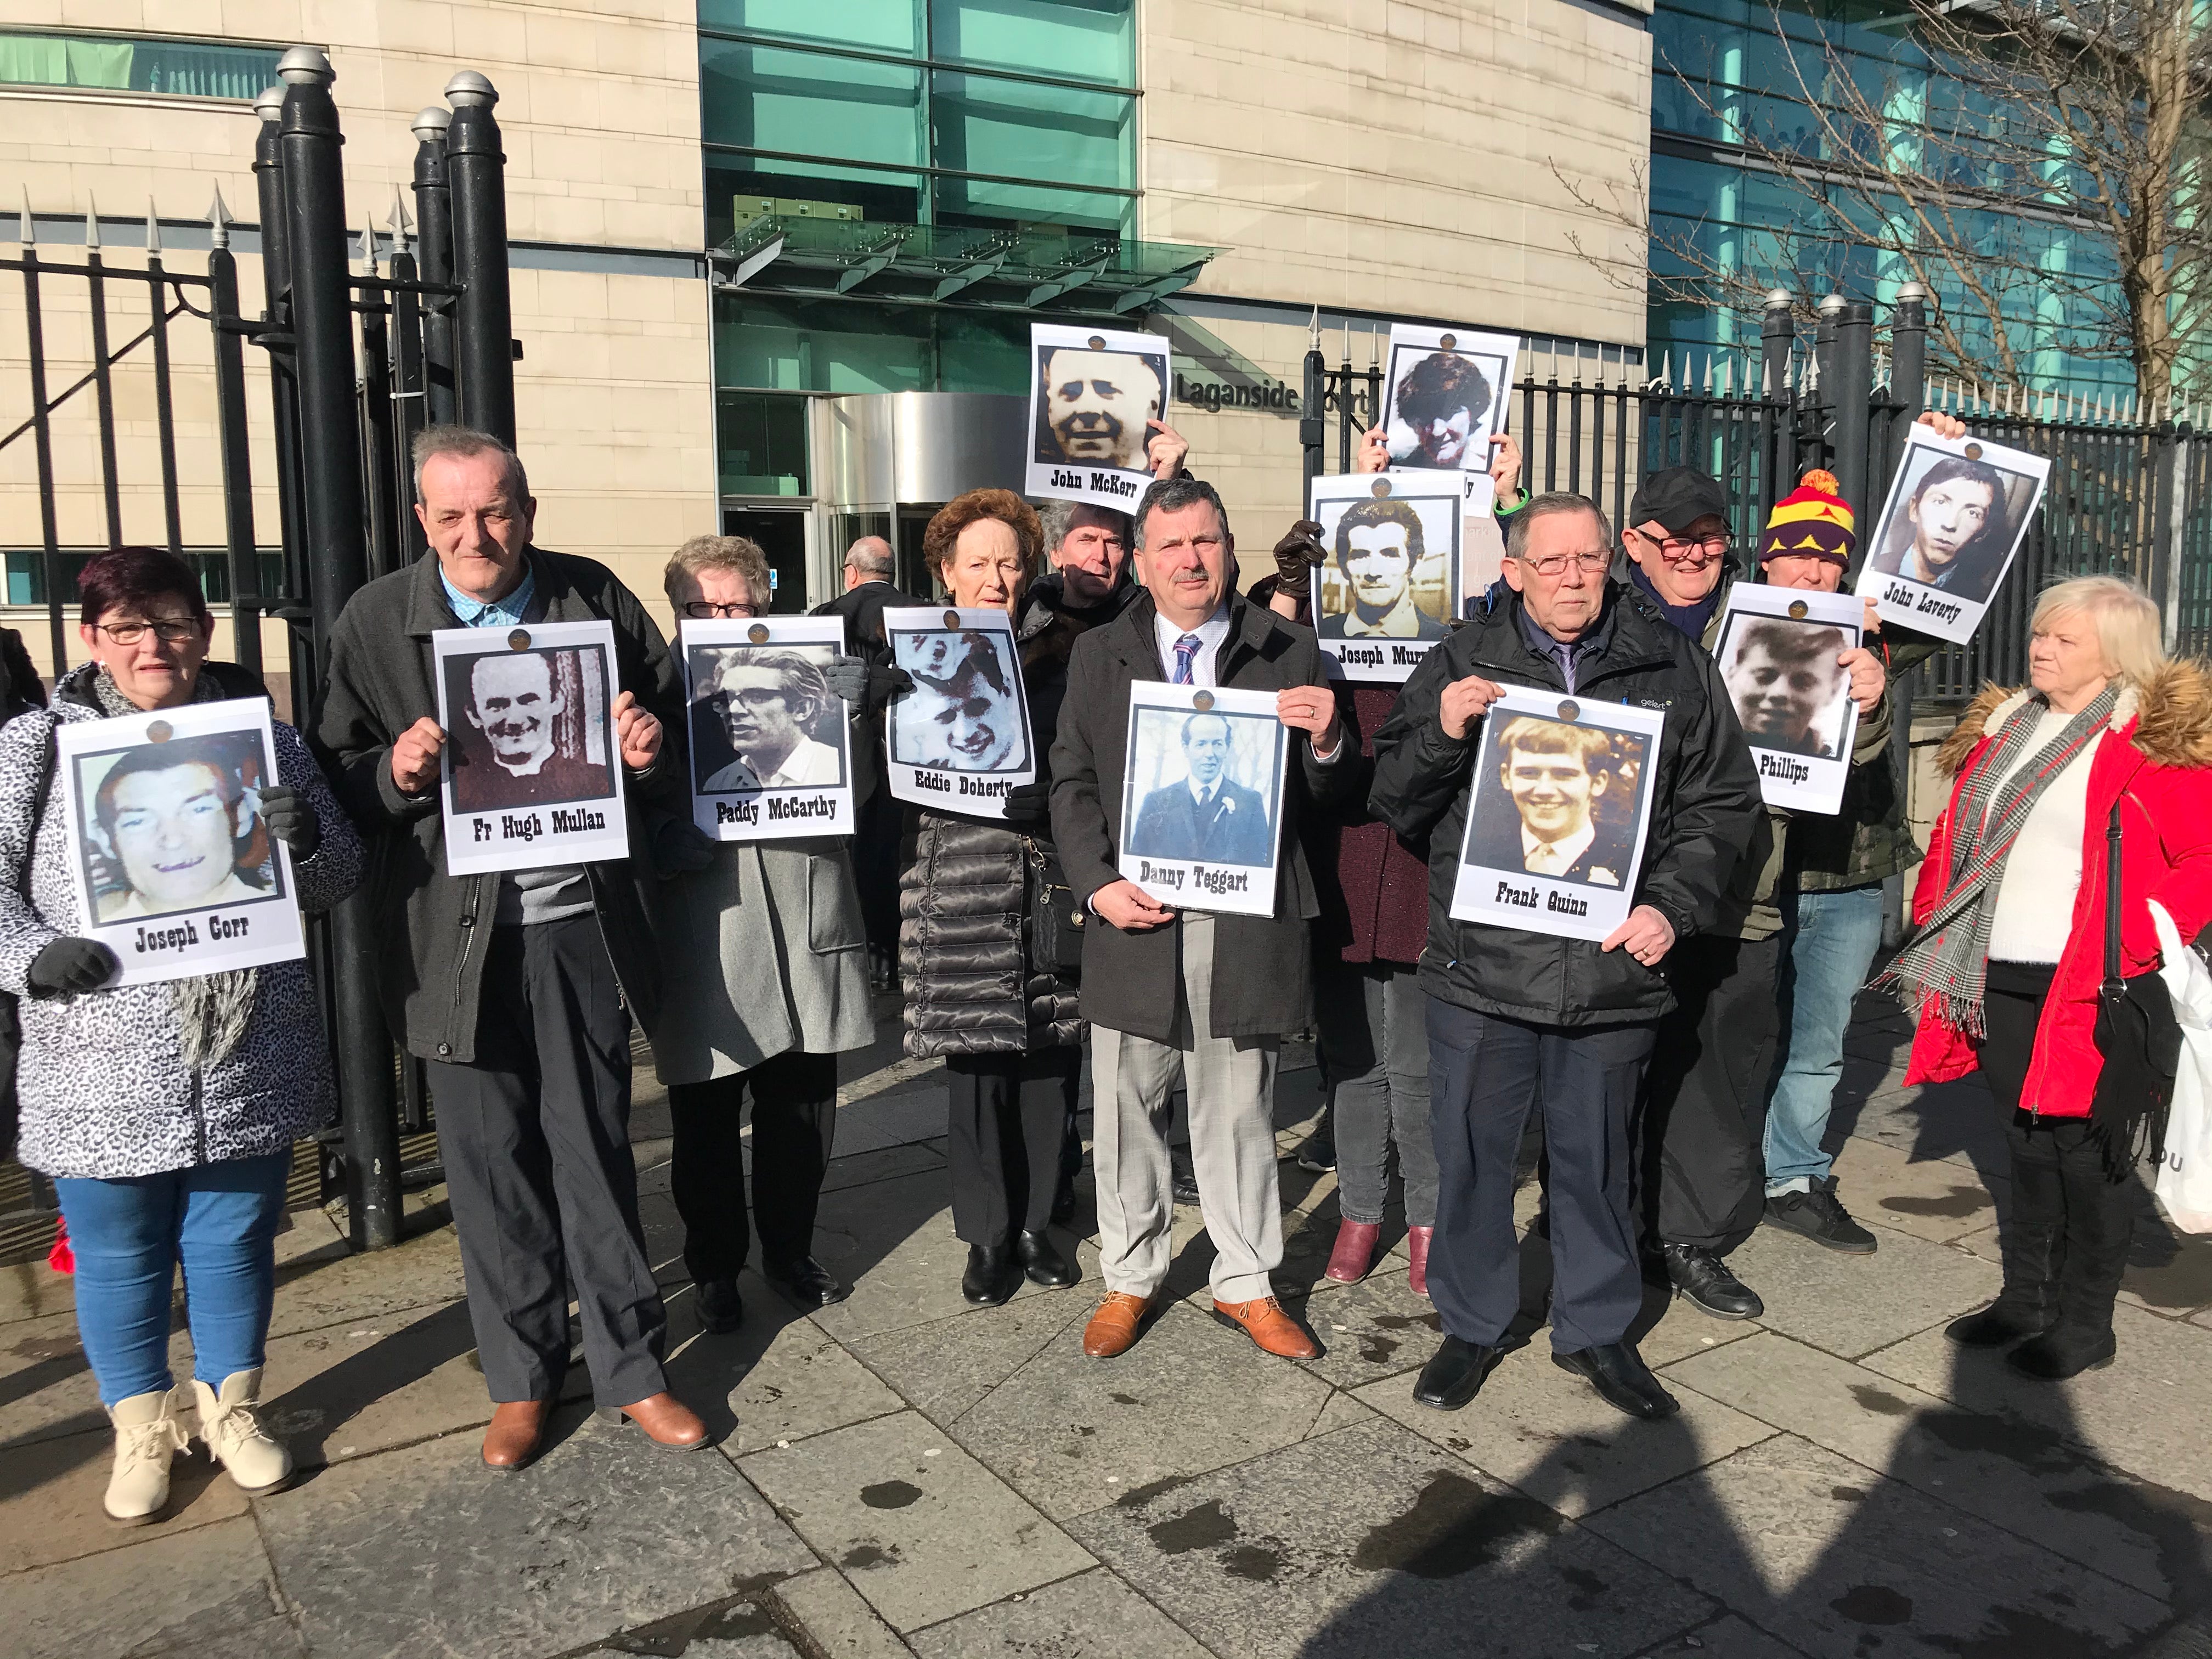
(2140, 1040)
(1056, 918)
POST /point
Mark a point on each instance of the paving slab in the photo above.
(1833, 1559)
(51, 1493)
(1937, 1200)
(1341, 1412)
(2169, 1272)
(1851, 1305)
(1191, 1396)
(777, 1376)
(1371, 1542)
(832, 1613)
(892, 1120)
(1726, 1638)
(944, 1368)
(400, 1554)
(1093, 1615)
(730, 1628)
(921, 1528)
(2016, 1475)
(1373, 1329)
(196, 1591)
(892, 1241)
(45, 1385)
(345, 1288)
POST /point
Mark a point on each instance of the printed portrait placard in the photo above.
(1956, 516)
(1091, 392)
(1202, 797)
(530, 774)
(1556, 815)
(1777, 652)
(771, 748)
(1391, 583)
(960, 739)
(174, 865)
(1446, 392)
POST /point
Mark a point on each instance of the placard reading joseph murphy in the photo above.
(1954, 521)
(1559, 802)
(960, 740)
(531, 773)
(1092, 393)
(175, 865)
(771, 753)
(1391, 582)
(1447, 392)
(1777, 651)
(1202, 800)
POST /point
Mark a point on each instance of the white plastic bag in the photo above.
(2184, 1178)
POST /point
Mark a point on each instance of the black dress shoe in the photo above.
(993, 1276)
(1454, 1374)
(1063, 1202)
(1616, 1370)
(1997, 1326)
(806, 1281)
(1186, 1184)
(2062, 1351)
(1041, 1261)
(1705, 1281)
(721, 1309)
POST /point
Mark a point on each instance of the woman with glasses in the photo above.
(766, 978)
(166, 1114)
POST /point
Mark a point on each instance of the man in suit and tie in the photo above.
(1206, 816)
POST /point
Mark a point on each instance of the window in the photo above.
(1079, 39)
(194, 69)
(26, 574)
(763, 443)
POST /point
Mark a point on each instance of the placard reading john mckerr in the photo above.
(770, 744)
(175, 865)
(1777, 653)
(530, 774)
(1202, 797)
(1093, 392)
(960, 739)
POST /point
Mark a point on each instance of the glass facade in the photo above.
(196, 69)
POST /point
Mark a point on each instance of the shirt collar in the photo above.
(1567, 851)
(1210, 632)
(1565, 653)
(503, 612)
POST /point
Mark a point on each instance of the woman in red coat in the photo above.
(2010, 906)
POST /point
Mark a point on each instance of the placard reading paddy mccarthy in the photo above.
(771, 754)
(960, 740)
(1202, 800)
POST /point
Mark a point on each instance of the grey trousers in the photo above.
(1230, 1086)
(1373, 1025)
(535, 1136)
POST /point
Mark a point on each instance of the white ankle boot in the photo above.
(230, 1425)
(147, 1435)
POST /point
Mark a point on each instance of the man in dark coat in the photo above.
(1167, 992)
(517, 988)
(1204, 815)
(1518, 1016)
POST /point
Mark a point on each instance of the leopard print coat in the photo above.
(104, 1089)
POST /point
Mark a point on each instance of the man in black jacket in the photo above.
(1515, 1017)
(517, 988)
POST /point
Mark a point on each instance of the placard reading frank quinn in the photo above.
(1092, 392)
(175, 867)
(770, 751)
(961, 738)
(1777, 651)
(1202, 797)
(531, 773)
(1956, 516)
(1391, 583)
(1556, 817)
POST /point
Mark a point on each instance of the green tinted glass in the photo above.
(1039, 207)
(872, 25)
(1026, 130)
(189, 69)
(1081, 39)
(740, 188)
(764, 444)
(808, 103)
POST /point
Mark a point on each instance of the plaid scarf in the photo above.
(1947, 964)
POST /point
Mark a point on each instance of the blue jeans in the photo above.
(1828, 942)
(219, 1221)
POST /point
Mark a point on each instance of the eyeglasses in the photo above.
(169, 633)
(1674, 548)
(708, 610)
(1555, 565)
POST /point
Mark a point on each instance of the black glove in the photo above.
(292, 821)
(680, 846)
(1296, 555)
(865, 684)
(1029, 807)
(67, 966)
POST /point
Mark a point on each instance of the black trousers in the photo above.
(1005, 1128)
(1704, 1156)
(2065, 1243)
(1485, 1074)
(794, 1122)
(876, 828)
(535, 1137)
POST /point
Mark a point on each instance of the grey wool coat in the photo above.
(105, 1091)
(763, 953)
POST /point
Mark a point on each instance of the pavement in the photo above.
(901, 1473)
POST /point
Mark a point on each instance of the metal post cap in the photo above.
(1913, 294)
(270, 105)
(1832, 304)
(305, 66)
(430, 124)
(1779, 298)
(469, 89)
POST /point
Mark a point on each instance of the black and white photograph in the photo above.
(1558, 806)
(1202, 802)
(532, 768)
(770, 744)
(960, 740)
(1779, 652)
(175, 867)
(1956, 516)
(1092, 393)
(1391, 586)
(1446, 392)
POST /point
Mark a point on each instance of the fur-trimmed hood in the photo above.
(2172, 712)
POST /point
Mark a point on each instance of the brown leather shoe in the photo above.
(666, 1420)
(1112, 1329)
(1264, 1320)
(515, 1433)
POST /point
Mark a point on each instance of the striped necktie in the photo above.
(1186, 650)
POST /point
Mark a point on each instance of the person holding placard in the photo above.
(1520, 1017)
(1170, 991)
(517, 987)
(165, 1112)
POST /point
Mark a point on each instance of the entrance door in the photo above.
(913, 573)
(782, 537)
